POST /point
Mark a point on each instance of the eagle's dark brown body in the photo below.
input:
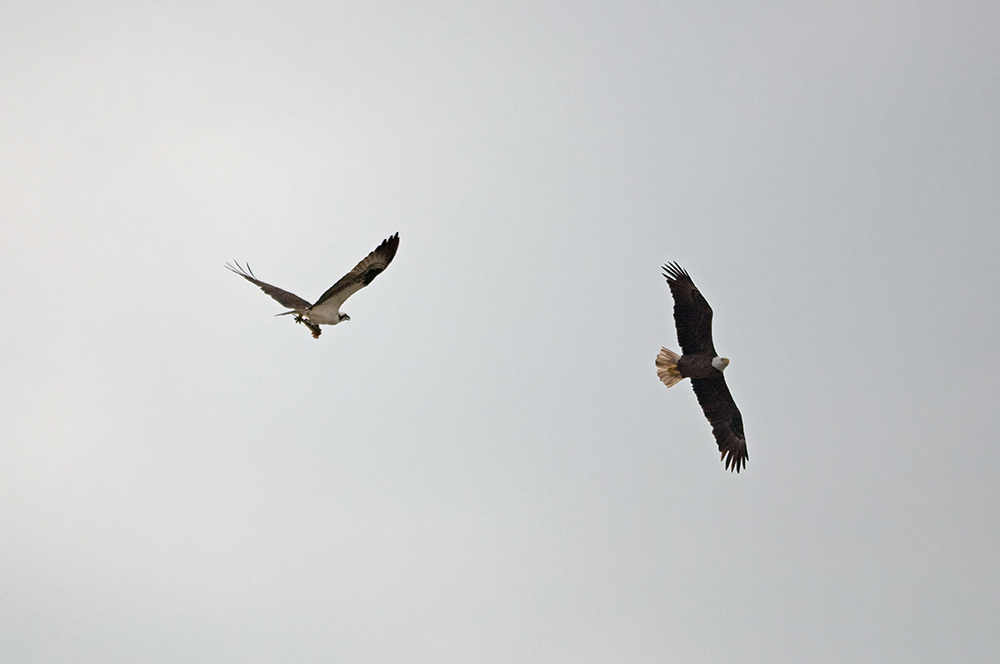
(696, 366)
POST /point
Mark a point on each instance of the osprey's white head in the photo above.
(720, 363)
(344, 317)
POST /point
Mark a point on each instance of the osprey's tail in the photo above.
(666, 367)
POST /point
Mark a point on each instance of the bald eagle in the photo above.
(326, 310)
(700, 363)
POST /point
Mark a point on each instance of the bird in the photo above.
(700, 363)
(326, 310)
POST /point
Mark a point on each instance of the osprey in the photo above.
(702, 365)
(326, 311)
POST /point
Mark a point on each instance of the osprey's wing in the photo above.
(727, 423)
(283, 297)
(692, 315)
(362, 274)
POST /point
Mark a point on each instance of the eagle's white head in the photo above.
(720, 363)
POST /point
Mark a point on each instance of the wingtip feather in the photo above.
(735, 456)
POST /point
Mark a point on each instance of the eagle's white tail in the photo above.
(666, 367)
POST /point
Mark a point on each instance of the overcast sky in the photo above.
(481, 466)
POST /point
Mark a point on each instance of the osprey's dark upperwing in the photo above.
(326, 310)
(363, 273)
(700, 363)
(283, 297)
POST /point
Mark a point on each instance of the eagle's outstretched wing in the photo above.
(727, 423)
(692, 315)
(283, 297)
(370, 267)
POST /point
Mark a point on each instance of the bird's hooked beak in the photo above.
(345, 317)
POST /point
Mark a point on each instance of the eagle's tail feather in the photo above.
(666, 367)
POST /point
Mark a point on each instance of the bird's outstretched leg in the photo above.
(312, 326)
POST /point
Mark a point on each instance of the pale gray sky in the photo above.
(481, 466)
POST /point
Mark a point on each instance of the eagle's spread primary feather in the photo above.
(700, 363)
(326, 310)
